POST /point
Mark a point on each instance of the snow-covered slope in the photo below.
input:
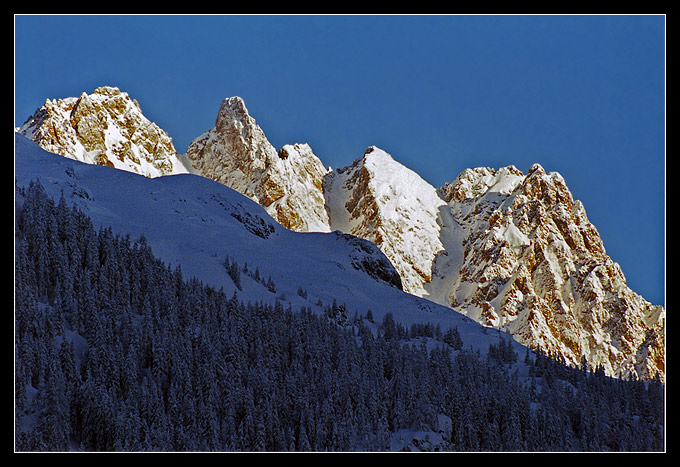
(106, 127)
(195, 223)
(378, 199)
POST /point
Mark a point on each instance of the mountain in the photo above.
(287, 182)
(364, 199)
(106, 127)
(510, 250)
(533, 265)
(378, 199)
(120, 347)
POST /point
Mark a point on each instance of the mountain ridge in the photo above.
(510, 250)
(193, 222)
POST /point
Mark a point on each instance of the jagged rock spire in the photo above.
(287, 182)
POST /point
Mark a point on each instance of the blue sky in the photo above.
(581, 95)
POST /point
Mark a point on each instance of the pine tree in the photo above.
(55, 409)
(233, 271)
(452, 338)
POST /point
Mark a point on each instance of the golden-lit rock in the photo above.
(104, 128)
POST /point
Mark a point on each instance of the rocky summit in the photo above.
(510, 250)
(105, 127)
(287, 183)
(532, 264)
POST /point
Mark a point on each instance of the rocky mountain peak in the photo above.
(233, 117)
(475, 182)
(375, 151)
(105, 127)
(379, 199)
(292, 189)
(532, 264)
(237, 154)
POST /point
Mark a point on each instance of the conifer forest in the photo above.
(117, 351)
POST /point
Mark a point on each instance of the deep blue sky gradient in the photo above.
(581, 95)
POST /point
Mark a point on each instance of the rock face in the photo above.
(533, 265)
(286, 183)
(104, 128)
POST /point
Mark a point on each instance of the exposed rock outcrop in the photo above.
(287, 183)
(535, 266)
(106, 127)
